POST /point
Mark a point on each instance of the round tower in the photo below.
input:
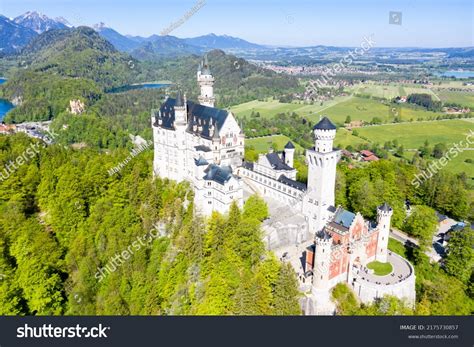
(384, 216)
(322, 260)
(289, 153)
(206, 83)
(180, 112)
(324, 133)
(322, 161)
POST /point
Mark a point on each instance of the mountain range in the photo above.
(16, 33)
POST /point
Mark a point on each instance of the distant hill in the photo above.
(13, 36)
(39, 22)
(80, 52)
(237, 80)
(157, 46)
(120, 42)
(223, 42)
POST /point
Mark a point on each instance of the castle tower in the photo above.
(289, 153)
(384, 215)
(322, 260)
(321, 288)
(206, 83)
(180, 124)
(180, 110)
(322, 161)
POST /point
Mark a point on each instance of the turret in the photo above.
(206, 83)
(324, 133)
(322, 161)
(384, 216)
(322, 260)
(180, 110)
(289, 153)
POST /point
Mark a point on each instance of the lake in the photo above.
(5, 105)
(147, 85)
(457, 74)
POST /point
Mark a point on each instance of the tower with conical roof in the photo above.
(180, 110)
(289, 151)
(206, 83)
(322, 161)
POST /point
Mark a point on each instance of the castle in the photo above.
(205, 146)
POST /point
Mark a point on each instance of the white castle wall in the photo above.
(267, 186)
(369, 291)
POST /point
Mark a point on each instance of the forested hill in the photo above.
(64, 221)
(79, 53)
(237, 80)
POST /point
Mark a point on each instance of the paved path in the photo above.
(400, 271)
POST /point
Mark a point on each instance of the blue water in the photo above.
(5, 105)
(457, 74)
(138, 86)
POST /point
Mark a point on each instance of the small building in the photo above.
(7, 129)
(367, 155)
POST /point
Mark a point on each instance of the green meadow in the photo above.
(271, 107)
(262, 144)
(462, 98)
(357, 108)
(414, 135)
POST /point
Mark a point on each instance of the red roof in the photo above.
(366, 153)
(371, 158)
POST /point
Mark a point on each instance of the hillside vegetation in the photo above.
(63, 221)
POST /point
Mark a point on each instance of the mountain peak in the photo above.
(38, 22)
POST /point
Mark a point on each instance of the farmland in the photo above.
(461, 98)
(413, 135)
(357, 108)
(271, 107)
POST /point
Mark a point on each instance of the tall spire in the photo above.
(206, 68)
(179, 99)
(206, 82)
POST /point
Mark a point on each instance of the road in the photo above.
(400, 236)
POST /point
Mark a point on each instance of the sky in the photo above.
(424, 23)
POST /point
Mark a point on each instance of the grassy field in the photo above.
(270, 107)
(389, 91)
(262, 144)
(345, 138)
(358, 108)
(413, 136)
(462, 98)
(380, 269)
